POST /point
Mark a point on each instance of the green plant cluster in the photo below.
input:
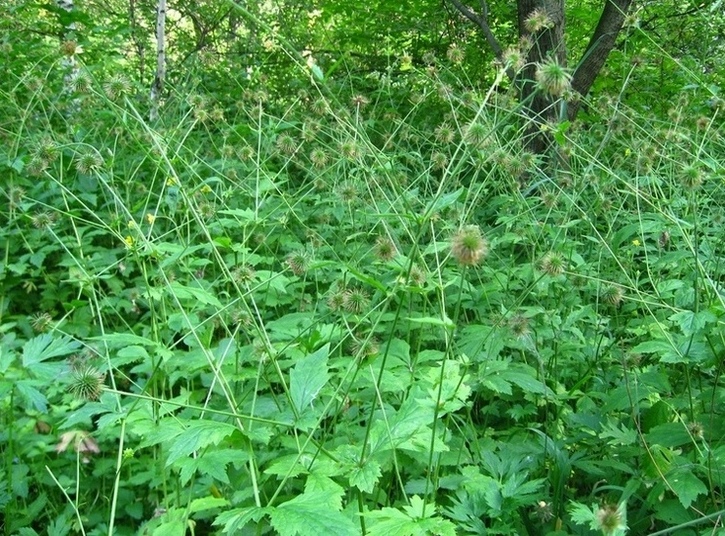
(359, 307)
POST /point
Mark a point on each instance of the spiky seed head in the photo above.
(514, 58)
(355, 300)
(455, 54)
(539, 19)
(553, 264)
(613, 294)
(41, 321)
(298, 262)
(417, 276)
(359, 101)
(468, 246)
(444, 133)
(319, 158)
(439, 160)
(286, 144)
(245, 153)
(476, 133)
(88, 161)
(553, 78)
(87, 382)
(117, 87)
(691, 177)
(385, 249)
(611, 518)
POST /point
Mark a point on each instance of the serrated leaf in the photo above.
(206, 503)
(198, 294)
(687, 487)
(691, 322)
(308, 377)
(34, 397)
(310, 514)
(45, 346)
(197, 435)
(130, 354)
(365, 477)
(235, 520)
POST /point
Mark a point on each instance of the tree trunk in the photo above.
(546, 44)
(70, 65)
(599, 47)
(157, 87)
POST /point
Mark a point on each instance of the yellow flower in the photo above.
(171, 181)
(131, 224)
(636, 243)
(206, 189)
(129, 241)
(150, 218)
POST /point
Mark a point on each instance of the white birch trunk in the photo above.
(158, 85)
(70, 61)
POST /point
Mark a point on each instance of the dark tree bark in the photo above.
(598, 49)
(548, 44)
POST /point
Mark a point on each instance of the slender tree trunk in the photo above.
(138, 39)
(157, 87)
(71, 74)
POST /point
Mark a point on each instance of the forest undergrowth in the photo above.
(357, 307)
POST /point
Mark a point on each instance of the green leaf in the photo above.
(581, 514)
(686, 486)
(235, 520)
(691, 322)
(198, 435)
(206, 503)
(308, 377)
(198, 294)
(44, 347)
(413, 522)
(442, 202)
(365, 477)
(310, 514)
(32, 395)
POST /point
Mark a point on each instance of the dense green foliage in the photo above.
(328, 291)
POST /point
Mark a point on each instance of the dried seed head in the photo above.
(553, 264)
(385, 249)
(468, 246)
(355, 301)
(87, 382)
(612, 294)
(611, 518)
(553, 78)
(538, 20)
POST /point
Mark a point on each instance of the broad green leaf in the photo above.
(310, 514)
(44, 347)
(686, 486)
(34, 397)
(197, 435)
(130, 354)
(206, 503)
(235, 520)
(442, 202)
(198, 294)
(308, 377)
(691, 322)
(365, 477)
